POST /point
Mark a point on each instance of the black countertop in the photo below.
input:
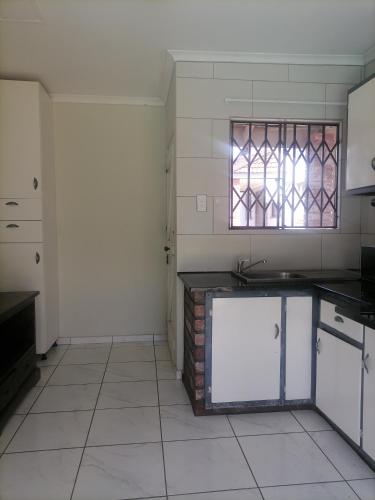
(12, 302)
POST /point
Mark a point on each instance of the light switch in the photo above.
(201, 203)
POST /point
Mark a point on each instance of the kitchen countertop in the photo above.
(226, 281)
(12, 302)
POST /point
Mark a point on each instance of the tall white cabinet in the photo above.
(28, 239)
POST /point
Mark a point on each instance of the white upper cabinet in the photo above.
(369, 394)
(246, 344)
(20, 144)
(360, 170)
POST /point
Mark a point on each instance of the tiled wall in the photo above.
(204, 242)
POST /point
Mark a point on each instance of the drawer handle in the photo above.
(277, 330)
(365, 365)
(13, 226)
(339, 319)
(11, 203)
(318, 346)
(37, 257)
(373, 163)
(35, 183)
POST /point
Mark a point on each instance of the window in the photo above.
(284, 175)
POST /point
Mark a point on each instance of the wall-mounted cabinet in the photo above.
(360, 168)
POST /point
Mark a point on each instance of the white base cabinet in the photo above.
(369, 394)
(245, 349)
(338, 383)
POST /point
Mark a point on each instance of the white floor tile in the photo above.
(123, 426)
(325, 491)
(350, 465)
(162, 353)
(252, 494)
(364, 488)
(42, 475)
(45, 373)
(166, 370)
(130, 372)
(121, 472)
(311, 420)
(77, 374)
(84, 356)
(54, 356)
(282, 459)
(8, 430)
(48, 431)
(131, 352)
(205, 465)
(172, 392)
(128, 394)
(24, 404)
(264, 423)
(67, 398)
(179, 422)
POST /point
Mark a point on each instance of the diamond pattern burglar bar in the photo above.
(284, 175)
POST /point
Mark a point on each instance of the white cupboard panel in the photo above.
(338, 383)
(20, 269)
(369, 394)
(330, 317)
(298, 347)
(361, 128)
(245, 349)
(21, 209)
(20, 156)
(20, 231)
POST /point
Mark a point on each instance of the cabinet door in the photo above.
(361, 130)
(245, 349)
(338, 383)
(369, 394)
(298, 348)
(19, 139)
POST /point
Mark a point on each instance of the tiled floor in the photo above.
(110, 422)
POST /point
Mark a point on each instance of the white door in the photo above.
(338, 383)
(369, 394)
(298, 347)
(170, 247)
(245, 349)
(19, 139)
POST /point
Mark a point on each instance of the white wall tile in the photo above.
(336, 93)
(193, 137)
(341, 251)
(368, 240)
(194, 69)
(248, 71)
(211, 253)
(220, 138)
(287, 251)
(370, 69)
(189, 220)
(324, 74)
(202, 176)
(350, 214)
(285, 91)
(199, 98)
(367, 215)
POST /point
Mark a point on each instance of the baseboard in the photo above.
(117, 339)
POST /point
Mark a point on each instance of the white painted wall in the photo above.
(111, 219)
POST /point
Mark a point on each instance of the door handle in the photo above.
(339, 319)
(35, 183)
(37, 257)
(166, 249)
(318, 346)
(277, 330)
(11, 203)
(373, 163)
(365, 365)
(12, 226)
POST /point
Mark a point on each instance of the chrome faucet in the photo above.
(241, 268)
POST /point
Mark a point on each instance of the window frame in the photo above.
(288, 229)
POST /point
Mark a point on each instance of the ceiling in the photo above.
(119, 47)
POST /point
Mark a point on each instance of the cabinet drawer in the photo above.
(344, 325)
(20, 231)
(20, 209)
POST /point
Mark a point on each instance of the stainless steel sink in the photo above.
(249, 277)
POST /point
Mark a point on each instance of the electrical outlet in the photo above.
(201, 203)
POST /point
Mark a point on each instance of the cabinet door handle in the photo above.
(37, 257)
(277, 330)
(318, 346)
(35, 183)
(13, 226)
(339, 319)
(365, 365)
(11, 203)
(373, 163)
